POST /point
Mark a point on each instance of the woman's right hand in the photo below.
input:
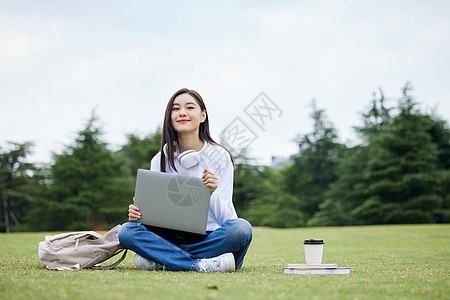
(133, 213)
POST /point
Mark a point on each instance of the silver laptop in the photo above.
(172, 201)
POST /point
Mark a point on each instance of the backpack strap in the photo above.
(98, 267)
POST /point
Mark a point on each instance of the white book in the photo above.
(307, 266)
(338, 270)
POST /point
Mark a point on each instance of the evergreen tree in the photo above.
(138, 152)
(246, 182)
(314, 168)
(348, 191)
(89, 186)
(18, 185)
(377, 118)
(266, 203)
(401, 173)
(440, 133)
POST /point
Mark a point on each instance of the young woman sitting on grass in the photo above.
(186, 128)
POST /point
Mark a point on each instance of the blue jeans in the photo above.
(233, 236)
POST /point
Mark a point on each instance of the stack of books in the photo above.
(315, 269)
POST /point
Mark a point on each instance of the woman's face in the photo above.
(186, 114)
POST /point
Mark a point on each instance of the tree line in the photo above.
(398, 173)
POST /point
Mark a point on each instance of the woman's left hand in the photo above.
(210, 180)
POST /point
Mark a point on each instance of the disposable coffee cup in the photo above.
(313, 251)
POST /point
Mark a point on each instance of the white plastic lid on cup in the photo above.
(313, 251)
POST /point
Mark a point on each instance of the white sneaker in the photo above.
(147, 264)
(222, 263)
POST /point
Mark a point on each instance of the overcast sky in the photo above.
(61, 59)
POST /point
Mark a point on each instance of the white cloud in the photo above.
(62, 60)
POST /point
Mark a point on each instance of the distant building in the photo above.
(279, 162)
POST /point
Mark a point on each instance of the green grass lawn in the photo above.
(396, 262)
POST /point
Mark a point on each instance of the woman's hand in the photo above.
(210, 180)
(133, 212)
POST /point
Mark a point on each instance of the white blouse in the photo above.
(217, 160)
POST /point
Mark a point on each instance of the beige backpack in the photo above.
(78, 250)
